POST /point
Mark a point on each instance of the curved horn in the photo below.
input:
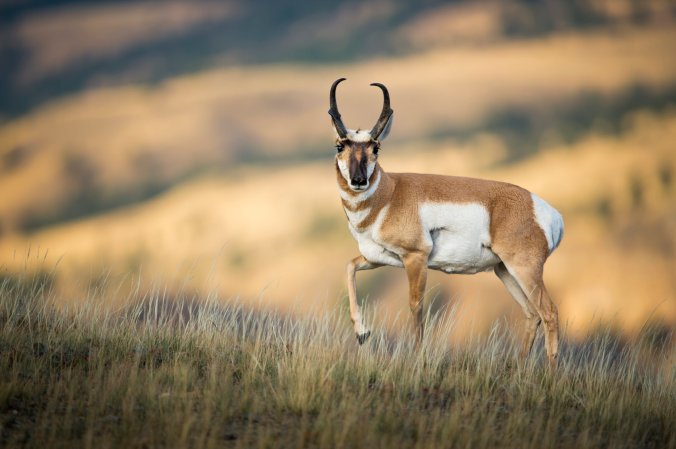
(333, 110)
(385, 115)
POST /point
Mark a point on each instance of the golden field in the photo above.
(118, 140)
(277, 237)
(253, 211)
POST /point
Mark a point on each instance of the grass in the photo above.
(182, 372)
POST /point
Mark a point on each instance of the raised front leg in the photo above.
(416, 270)
(357, 264)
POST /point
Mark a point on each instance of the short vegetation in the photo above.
(186, 373)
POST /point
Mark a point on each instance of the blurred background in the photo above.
(185, 148)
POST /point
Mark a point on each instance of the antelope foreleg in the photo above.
(357, 264)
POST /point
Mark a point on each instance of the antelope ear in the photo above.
(386, 130)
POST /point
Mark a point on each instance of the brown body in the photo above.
(448, 223)
(510, 208)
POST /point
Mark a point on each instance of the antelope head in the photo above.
(357, 150)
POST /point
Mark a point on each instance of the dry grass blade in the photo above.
(198, 373)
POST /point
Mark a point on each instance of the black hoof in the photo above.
(361, 338)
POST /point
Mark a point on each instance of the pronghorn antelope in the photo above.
(447, 223)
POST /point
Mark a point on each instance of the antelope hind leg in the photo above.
(532, 318)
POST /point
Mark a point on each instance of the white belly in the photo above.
(460, 237)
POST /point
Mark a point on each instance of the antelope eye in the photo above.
(376, 149)
(340, 147)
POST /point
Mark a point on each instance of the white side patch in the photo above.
(550, 220)
(459, 235)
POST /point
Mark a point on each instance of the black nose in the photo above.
(358, 181)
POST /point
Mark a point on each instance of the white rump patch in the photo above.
(549, 220)
(459, 235)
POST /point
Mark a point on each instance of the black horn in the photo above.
(385, 115)
(333, 110)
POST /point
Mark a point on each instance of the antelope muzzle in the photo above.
(358, 172)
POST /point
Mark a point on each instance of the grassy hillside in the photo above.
(108, 147)
(185, 373)
(277, 237)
